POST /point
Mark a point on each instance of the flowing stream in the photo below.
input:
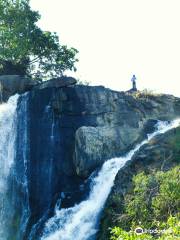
(8, 125)
(81, 221)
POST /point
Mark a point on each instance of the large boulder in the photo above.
(96, 144)
(12, 84)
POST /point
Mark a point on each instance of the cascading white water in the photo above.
(81, 221)
(8, 118)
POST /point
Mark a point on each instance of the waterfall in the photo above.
(8, 124)
(20, 176)
(14, 198)
(81, 221)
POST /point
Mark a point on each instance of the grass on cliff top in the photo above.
(145, 94)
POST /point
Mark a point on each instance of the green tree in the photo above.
(25, 48)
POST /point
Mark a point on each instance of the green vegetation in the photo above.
(152, 204)
(25, 48)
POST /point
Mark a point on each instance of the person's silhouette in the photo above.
(133, 79)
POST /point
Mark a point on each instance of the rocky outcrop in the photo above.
(160, 154)
(96, 123)
(121, 121)
(72, 130)
(12, 84)
(57, 83)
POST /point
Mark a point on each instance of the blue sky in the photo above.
(118, 38)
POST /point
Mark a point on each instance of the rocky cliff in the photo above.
(73, 129)
(96, 123)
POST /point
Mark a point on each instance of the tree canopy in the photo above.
(25, 48)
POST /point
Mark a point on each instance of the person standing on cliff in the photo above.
(133, 79)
